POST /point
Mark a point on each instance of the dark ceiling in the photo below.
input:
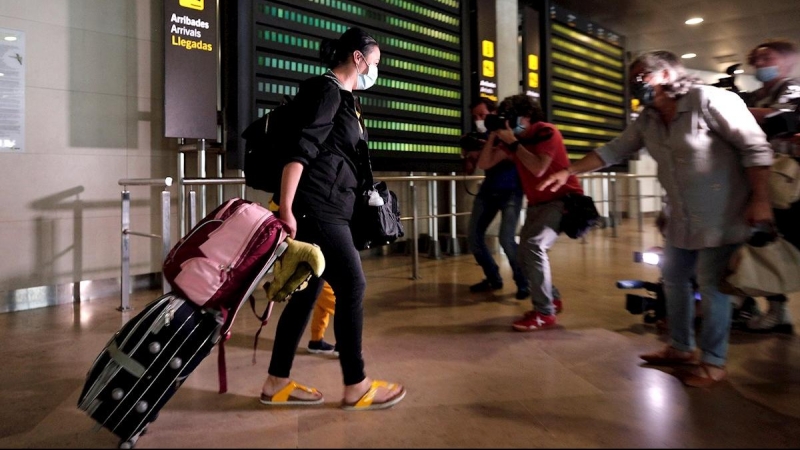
(729, 30)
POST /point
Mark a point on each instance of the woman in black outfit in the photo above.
(319, 187)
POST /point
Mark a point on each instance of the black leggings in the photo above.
(344, 273)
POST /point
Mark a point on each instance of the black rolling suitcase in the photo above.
(145, 363)
(148, 359)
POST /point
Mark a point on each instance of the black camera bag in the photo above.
(580, 215)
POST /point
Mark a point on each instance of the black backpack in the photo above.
(266, 142)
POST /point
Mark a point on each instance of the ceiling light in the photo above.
(694, 21)
(688, 55)
(738, 71)
(10, 38)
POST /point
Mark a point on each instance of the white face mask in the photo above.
(480, 126)
(366, 81)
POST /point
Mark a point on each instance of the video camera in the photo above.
(494, 122)
(651, 306)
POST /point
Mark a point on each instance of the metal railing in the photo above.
(608, 195)
(126, 288)
(188, 204)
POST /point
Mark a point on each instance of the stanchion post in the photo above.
(414, 233)
(453, 246)
(125, 281)
(166, 238)
(220, 194)
(192, 208)
(640, 215)
(181, 194)
(434, 249)
(201, 171)
(613, 206)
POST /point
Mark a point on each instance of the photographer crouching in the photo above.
(501, 193)
(537, 149)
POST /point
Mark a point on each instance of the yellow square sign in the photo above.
(193, 4)
(488, 68)
(533, 62)
(533, 79)
(487, 48)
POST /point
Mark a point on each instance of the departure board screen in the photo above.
(414, 113)
(587, 81)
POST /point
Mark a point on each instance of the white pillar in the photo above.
(507, 49)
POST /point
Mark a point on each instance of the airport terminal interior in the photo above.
(472, 381)
(120, 128)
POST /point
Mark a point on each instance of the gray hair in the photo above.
(679, 80)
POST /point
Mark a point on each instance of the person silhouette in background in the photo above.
(774, 61)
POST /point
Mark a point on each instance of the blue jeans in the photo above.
(709, 265)
(484, 209)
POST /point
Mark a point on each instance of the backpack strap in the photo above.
(264, 318)
(222, 371)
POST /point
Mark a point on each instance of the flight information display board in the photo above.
(414, 113)
(587, 81)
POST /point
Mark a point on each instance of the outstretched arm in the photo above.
(588, 163)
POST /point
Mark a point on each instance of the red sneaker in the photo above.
(533, 321)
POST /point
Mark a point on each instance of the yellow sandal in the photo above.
(366, 403)
(285, 397)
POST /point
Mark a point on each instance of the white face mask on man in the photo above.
(480, 126)
(367, 80)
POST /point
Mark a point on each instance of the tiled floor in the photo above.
(472, 381)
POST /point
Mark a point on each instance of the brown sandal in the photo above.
(701, 376)
(670, 356)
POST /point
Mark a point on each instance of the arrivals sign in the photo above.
(190, 69)
(486, 57)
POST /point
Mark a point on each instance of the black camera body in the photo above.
(472, 141)
(494, 122)
(782, 124)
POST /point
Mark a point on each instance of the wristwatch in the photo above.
(512, 147)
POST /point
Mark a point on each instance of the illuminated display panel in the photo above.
(414, 113)
(484, 17)
(587, 81)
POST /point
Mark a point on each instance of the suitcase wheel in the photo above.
(130, 443)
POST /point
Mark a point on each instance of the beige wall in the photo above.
(93, 108)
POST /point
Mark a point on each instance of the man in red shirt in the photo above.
(537, 149)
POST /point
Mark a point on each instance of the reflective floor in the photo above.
(472, 381)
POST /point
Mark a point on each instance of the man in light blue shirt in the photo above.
(713, 161)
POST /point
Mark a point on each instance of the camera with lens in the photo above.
(494, 122)
(472, 141)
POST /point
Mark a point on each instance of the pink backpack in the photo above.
(214, 264)
(218, 261)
